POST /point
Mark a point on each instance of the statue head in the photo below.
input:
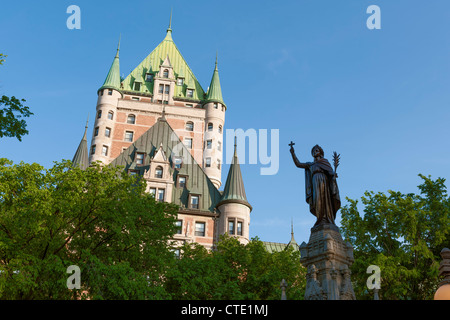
(317, 149)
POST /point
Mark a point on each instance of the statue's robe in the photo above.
(322, 193)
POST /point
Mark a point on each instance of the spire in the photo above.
(214, 93)
(112, 80)
(234, 190)
(293, 242)
(169, 29)
(80, 158)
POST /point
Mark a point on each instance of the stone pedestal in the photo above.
(328, 259)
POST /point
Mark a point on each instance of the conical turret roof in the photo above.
(215, 91)
(234, 190)
(81, 158)
(112, 80)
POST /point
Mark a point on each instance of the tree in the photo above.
(403, 234)
(100, 219)
(11, 113)
(235, 271)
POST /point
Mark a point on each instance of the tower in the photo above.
(233, 206)
(159, 123)
(106, 112)
(214, 120)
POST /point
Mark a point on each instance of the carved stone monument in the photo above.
(326, 256)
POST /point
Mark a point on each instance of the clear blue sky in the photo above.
(311, 69)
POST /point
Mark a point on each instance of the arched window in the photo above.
(131, 119)
(189, 126)
(165, 73)
(110, 115)
(210, 126)
(158, 172)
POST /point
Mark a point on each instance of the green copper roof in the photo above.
(215, 92)
(151, 65)
(234, 187)
(112, 80)
(198, 183)
(81, 158)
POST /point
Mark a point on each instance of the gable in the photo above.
(162, 134)
(166, 49)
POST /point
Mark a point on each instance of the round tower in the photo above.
(106, 113)
(214, 123)
(233, 206)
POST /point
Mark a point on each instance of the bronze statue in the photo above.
(322, 192)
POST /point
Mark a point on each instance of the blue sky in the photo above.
(311, 69)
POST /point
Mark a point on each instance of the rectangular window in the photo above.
(110, 92)
(209, 144)
(180, 81)
(188, 143)
(208, 162)
(239, 228)
(166, 89)
(181, 181)
(99, 114)
(135, 98)
(104, 151)
(93, 149)
(231, 227)
(108, 132)
(129, 136)
(189, 93)
(139, 158)
(179, 225)
(215, 106)
(194, 202)
(153, 192)
(148, 77)
(137, 86)
(200, 229)
(161, 195)
(189, 105)
(161, 88)
(110, 115)
(96, 132)
(177, 253)
(218, 164)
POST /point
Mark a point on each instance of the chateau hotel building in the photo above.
(159, 123)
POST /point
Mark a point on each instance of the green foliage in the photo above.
(235, 271)
(100, 219)
(403, 234)
(11, 113)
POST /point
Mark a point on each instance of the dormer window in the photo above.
(159, 172)
(165, 73)
(180, 81)
(137, 86)
(190, 93)
(148, 77)
(177, 162)
(140, 158)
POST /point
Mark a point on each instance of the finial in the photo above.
(235, 145)
(217, 53)
(118, 46)
(170, 21)
(292, 227)
(85, 128)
